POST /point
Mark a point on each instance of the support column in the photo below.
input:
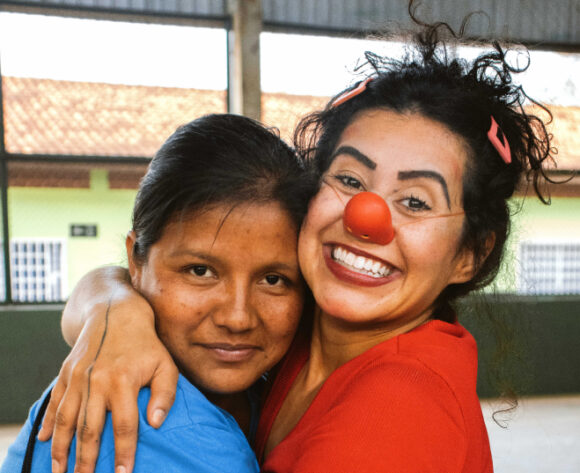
(244, 91)
(5, 232)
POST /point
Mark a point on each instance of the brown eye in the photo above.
(349, 181)
(201, 270)
(276, 280)
(273, 279)
(415, 204)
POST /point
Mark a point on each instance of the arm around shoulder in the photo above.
(116, 352)
(92, 293)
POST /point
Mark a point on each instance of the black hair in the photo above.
(463, 96)
(218, 159)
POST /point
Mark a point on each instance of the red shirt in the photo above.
(406, 405)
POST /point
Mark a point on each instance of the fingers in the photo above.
(125, 413)
(163, 386)
(65, 421)
(91, 420)
(49, 416)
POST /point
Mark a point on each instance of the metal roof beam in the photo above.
(553, 24)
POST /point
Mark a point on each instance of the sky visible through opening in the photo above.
(60, 48)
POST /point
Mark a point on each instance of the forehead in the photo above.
(405, 141)
(232, 227)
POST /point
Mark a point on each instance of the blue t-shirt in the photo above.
(197, 436)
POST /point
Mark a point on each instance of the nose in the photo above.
(236, 312)
(368, 218)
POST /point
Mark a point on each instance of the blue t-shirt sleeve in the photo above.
(196, 437)
(206, 450)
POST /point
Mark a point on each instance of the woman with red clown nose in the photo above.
(416, 164)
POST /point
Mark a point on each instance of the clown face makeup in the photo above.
(416, 165)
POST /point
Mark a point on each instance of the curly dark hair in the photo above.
(463, 95)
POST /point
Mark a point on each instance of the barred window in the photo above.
(37, 268)
(550, 268)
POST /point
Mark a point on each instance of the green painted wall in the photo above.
(48, 212)
(534, 221)
(31, 352)
(559, 220)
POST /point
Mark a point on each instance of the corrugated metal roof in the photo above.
(187, 8)
(530, 21)
(547, 23)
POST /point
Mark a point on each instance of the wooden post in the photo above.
(244, 91)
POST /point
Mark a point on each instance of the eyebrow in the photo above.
(408, 175)
(181, 252)
(356, 154)
(208, 258)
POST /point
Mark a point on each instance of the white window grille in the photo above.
(38, 269)
(550, 268)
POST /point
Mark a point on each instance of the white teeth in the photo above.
(359, 263)
(349, 259)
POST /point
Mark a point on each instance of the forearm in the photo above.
(115, 351)
(94, 291)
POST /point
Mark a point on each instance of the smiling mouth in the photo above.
(231, 353)
(360, 264)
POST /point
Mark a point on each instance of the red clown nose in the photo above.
(367, 217)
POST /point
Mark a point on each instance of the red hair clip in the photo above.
(359, 89)
(499, 141)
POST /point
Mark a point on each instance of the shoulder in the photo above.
(400, 385)
(196, 436)
(394, 408)
(435, 353)
(190, 407)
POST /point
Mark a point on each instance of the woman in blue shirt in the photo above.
(213, 251)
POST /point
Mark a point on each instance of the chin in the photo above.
(221, 388)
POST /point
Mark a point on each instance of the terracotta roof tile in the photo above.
(284, 111)
(566, 131)
(58, 117)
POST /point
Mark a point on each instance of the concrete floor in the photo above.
(7, 434)
(542, 436)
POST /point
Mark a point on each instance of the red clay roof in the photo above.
(566, 131)
(58, 117)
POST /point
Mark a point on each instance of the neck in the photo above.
(336, 342)
(237, 404)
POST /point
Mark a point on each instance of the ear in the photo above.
(134, 268)
(466, 266)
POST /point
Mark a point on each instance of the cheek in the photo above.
(281, 322)
(177, 310)
(325, 210)
(430, 244)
